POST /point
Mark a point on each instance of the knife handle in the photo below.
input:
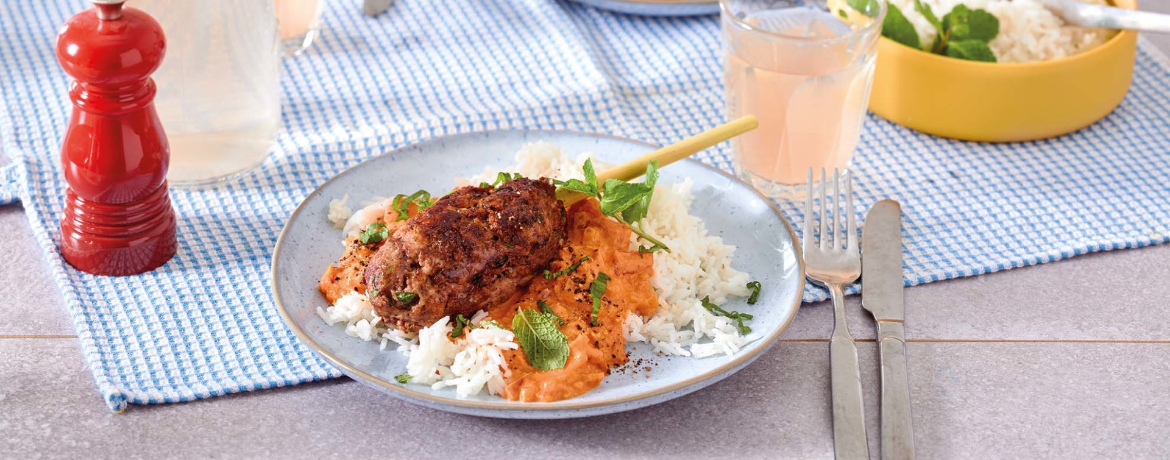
(849, 437)
(897, 426)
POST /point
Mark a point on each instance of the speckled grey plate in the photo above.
(731, 209)
(657, 8)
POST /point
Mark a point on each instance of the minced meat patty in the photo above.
(473, 249)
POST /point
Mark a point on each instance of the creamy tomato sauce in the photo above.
(593, 350)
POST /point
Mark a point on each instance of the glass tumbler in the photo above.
(218, 87)
(299, 23)
(804, 69)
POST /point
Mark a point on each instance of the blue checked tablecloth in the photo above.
(204, 324)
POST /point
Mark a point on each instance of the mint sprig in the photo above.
(627, 202)
(962, 33)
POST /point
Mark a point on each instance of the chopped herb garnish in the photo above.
(548, 311)
(374, 233)
(570, 269)
(372, 294)
(733, 315)
(402, 378)
(642, 249)
(460, 323)
(755, 286)
(596, 290)
(545, 346)
(401, 204)
(488, 323)
(406, 298)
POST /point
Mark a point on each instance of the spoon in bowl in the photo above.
(1090, 15)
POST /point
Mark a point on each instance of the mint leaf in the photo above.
(402, 378)
(755, 286)
(544, 308)
(545, 346)
(570, 269)
(640, 209)
(617, 196)
(576, 185)
(981, 26)
(374, 233)
(925, 11)
(866, 7)
(596, 290)
(971, 50)
(590, 174)
(897, 28)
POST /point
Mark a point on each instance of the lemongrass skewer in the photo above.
(632, 169)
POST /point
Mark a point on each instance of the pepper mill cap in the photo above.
(110, 45)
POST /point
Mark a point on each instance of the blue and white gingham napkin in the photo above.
(435, 67)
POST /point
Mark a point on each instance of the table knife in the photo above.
(881, 294)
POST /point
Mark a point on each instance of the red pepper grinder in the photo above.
(118, 218)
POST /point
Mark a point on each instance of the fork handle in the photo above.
(849, 437)
(897, 429)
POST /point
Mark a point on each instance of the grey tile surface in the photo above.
(29, 299)
(971, 400)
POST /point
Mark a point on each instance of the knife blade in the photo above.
(881, 261)
(881, 294)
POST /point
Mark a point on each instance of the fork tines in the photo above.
(828, 231)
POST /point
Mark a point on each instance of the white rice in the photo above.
(1028, 32)
(355, 311)
(338, 211)
(698, 266)
(469, 363)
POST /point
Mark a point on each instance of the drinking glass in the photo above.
(299, 23)
(804, 69)
(218, 87)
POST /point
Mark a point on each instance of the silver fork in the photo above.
(832, 263)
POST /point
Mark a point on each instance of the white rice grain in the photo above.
(338, 211)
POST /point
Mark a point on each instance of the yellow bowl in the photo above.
(981, 101)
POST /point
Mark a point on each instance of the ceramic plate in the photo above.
(657, 7)
(731, 209)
